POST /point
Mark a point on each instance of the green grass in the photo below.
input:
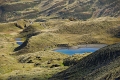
(25, 71)
(44, 36)
(51, 35)
(90, 27)
(42, 42)
(8, 27)
(91, 31)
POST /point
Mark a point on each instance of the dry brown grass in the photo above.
(53, 33)
(73, 33)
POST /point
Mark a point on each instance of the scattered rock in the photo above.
(55, 65)
(3, 55)
(35, 79)
(30, 61)
(38, 57)
(50, 61)
(36, 64)
(58, 59)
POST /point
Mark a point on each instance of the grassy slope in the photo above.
(11, 69)
(38, 68)
(93, 31)
(102, 64)
(58, 9)
(7, 45)
(52, 34)
(106, 8)
(72, 34)
(8, 27)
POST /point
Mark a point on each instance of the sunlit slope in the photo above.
(52, 9)
(66, 34)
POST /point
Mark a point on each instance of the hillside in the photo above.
(107, 8)
(52, 34)
(34, 58)
(42, 10)
(46, 25)
(103, 64)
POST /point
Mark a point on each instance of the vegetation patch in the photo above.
(8, 27)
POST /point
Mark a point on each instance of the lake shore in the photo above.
(91, 46)
(82, 46)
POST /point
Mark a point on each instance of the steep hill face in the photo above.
(103, 64)
(4, 1)
(80, 9)
(106, 8)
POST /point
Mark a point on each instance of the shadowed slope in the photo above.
(102, 64)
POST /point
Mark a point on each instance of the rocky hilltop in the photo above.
(77, 9)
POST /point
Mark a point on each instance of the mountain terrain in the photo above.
(100, 65)
(42, 10)
(46, 25)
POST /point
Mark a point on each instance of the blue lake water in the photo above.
(79, 50)
(19, 41)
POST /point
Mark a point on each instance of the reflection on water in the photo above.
(79, 50)
(19, 41)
